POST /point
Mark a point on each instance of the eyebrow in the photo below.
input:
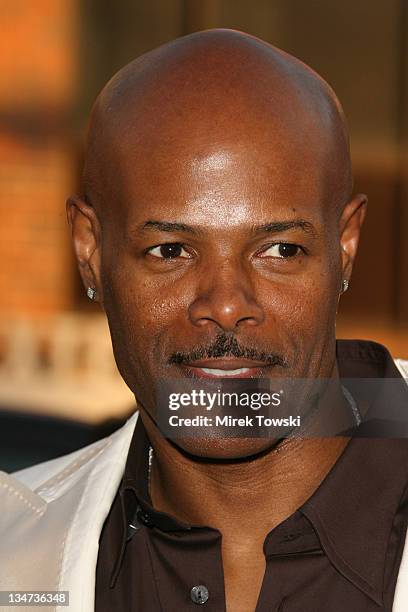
(168, 226)
(283, 226)
(273, 227)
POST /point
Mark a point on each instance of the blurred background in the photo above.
(59, 387)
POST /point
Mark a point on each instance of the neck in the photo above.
(272, 485)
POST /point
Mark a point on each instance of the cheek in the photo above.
(300, 316)
(301, 303)
(140, 309)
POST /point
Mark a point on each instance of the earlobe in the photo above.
(85, 230)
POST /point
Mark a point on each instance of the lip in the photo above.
(251, 369)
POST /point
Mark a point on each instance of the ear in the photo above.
(351, 221)
(86, 237)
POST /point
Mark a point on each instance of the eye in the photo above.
(282, 250)
(169, 250)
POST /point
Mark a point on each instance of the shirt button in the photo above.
(144, 518)
(199, 594)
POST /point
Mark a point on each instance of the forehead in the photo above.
(212, 177)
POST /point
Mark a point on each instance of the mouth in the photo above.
(225, 368)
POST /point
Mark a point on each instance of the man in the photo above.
(217, 229)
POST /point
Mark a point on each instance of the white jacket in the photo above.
(51, 517)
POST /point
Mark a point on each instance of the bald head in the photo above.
(214, 91)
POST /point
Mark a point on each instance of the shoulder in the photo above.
(402, 365)
(56, 470)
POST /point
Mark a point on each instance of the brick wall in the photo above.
(38, 86)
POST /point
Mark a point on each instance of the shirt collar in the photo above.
(135, 502)
(354, 539)
(135, 484)
(353, 509)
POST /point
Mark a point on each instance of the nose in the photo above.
(225, 297)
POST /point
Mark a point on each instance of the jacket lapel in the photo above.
(49, 537)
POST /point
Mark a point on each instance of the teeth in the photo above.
(224, 372)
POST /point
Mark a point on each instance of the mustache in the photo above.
(227, 346)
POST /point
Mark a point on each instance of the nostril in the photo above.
(228, 312)
(248, 321)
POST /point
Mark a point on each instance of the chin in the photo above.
(214, 448)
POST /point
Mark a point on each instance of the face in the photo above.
(219, 256)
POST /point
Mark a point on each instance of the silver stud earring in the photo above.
(91, 293)
(345, 285)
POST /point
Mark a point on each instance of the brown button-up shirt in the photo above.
(340, 551)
